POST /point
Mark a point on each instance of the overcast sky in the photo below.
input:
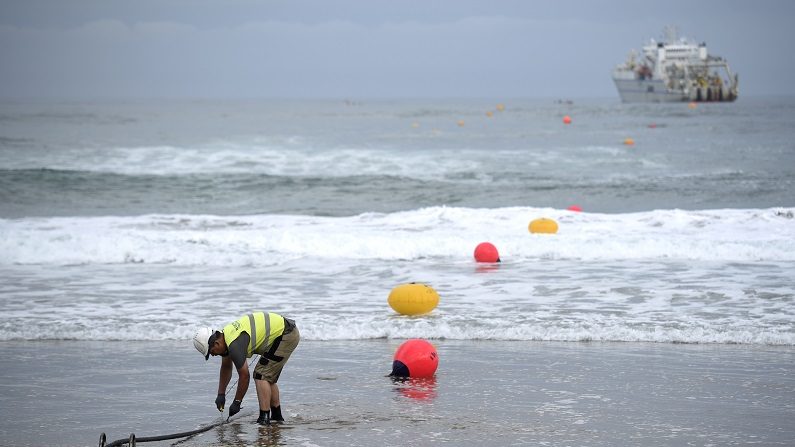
(94, 49)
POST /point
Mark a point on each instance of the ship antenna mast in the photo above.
(671, 34)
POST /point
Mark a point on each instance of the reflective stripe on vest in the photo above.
(253, 334)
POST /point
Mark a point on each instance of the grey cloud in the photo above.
(368, 49)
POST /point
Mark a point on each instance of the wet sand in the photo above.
(336, 393)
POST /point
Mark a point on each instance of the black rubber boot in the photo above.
(264, 418)
(276, 414)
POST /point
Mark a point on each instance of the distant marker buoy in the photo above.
(692, 105)
(574, 208)
(501, 107)
(567, 119)
(629, 141)
(490, 114)
(415, 358)
(460, 123)
(413, 299)
(415, 125)
(543, 225)
(486, 252)
(652, 126)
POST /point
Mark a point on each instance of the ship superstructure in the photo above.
(672, 70)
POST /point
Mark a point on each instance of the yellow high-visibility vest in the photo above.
(261, 327)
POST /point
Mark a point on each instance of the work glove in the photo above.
(234, 408)
(220, 401)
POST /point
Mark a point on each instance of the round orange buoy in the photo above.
(490, 114)
(567, 119)
(415, 358)
(629, 141)
(574, 208)
(543, 225)
(413, 299)
(692, 105)
(501, 107)
(460, 123)
(486, 252)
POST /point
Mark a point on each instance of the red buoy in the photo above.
(574, 208)
(567, 119)
(486, 252)
(415, 358)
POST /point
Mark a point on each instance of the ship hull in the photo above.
(647, 90)
(654, 90)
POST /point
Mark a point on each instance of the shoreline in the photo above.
(335, 393)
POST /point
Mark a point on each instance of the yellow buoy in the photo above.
(413, 299)
(543, 225)
(501, 107)
(489, 113)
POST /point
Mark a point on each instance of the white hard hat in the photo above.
(201, 340)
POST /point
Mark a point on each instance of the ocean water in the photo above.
(142, 220)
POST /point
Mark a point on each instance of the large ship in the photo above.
(673, 70)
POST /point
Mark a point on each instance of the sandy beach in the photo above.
(336, 393)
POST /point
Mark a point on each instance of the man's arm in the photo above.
(237, 356)
(242, 382)
(225, 374)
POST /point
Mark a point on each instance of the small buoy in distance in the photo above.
(490, 114)
(567, 119)
(486, 252)
(576, 208)
(652, 126)
(415, 125)
(413, 299)
(543, 225)
(501, 107)
(692, 105)
(460, 123)
(629, 141)
(415, 358)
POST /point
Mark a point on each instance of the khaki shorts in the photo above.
(269, 369)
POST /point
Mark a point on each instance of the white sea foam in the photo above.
(279, 158)
(438, 232)
(712, 276)
(298, 156)
(383, 323)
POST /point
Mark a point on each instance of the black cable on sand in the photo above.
(132, 440)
